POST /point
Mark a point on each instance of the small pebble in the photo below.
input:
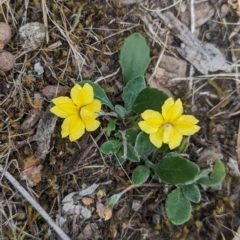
(156, 218)
(136, 204)
(225, 9)
(38, 68)
(7, 61)
(5, 33)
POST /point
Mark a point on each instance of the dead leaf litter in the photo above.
(52, 47)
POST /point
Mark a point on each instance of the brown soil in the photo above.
(89, 52)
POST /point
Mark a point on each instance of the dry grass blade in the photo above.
(39, 209)
(82, 41)
(65, 33)
(44, 10)
(238, 144)
(237, 234)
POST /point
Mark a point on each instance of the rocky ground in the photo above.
(68, 41)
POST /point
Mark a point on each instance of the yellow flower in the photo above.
(80, 111)
(170, 126)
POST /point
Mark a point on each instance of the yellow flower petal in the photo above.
(62, 100)
(188, 118)
(166, 106)
(94, 106)
(75, 123)
(77, 134)
(171, 136)
(87, 116)
(58, 112)
(77, 95)
(64, 107)
(65, 126)
(151, 114)
(186, 125)
(168, 131)
(172, 110)
(156, 138)
(92, 126)
(73, 127)
(153, 120)
(89, 93)
(175, 139)
(82, 96)
(145, 127)
(76, 128)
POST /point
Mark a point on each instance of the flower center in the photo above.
(167, 126)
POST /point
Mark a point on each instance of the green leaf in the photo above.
(131, 135)
(111, 146)
(203, 173)
(216, 176)
(175, 169)
(149, 98)
(178, 208)
(131, 154)
(140, 174)
(111, 126)
(113, 200)
(131, 90)
(98, 93)
(192, 193)
(120, 156)
(121, 111)
(148, 163)
(134, 56)
(143, 146)
(118, 135)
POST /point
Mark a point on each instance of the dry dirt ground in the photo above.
(50, 168)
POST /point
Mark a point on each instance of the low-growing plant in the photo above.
(146, 130)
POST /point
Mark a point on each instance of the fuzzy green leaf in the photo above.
(113, 200)
(111, 126)
(99, 93)
(131, 154)
(178, 208)
(131, 90)
(192, 193)
(203, 173)
(149, 98)
(120, 156)
(121, 111)
(111, 146)
(140, 174)
(134, 56)
(175, 169)
(143, 146)
(131, 135)
(216, 176)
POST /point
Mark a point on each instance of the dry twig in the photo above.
(38, 208)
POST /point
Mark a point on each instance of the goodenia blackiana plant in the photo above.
(134, 145)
